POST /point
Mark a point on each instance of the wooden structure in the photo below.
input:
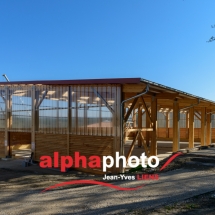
(96, 117)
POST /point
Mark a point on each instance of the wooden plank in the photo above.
(208, 140)
(203, 126)
(176, 132)
(153, 149)
(191, 127)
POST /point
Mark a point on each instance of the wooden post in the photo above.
(139, 124)
(34, 118)
(7, 121)
(153, 148)
(35, 99)
(191, 127)
(203, 126)
(176, 131)
(69, 119)
(187, 124)
(147, 132)
(208, 129)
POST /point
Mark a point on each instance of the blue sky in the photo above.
(159, 40)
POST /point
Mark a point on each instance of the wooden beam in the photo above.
(133, 88)
(146, 109)
(203, 126)
(176, 131)
(167, 95)
(191, 127)
(138, 129)
(208, 140)
(130, 110)
(153, 149)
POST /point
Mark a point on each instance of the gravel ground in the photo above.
(178, 191)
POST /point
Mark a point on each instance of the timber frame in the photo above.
(99, 116)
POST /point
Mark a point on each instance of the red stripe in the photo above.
(92, 182)
(170, 160)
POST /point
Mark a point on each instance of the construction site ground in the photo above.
(186, 186)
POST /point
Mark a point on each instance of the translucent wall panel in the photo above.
(161, 119)
(20, 103)
(93, 110)
(2, 108)
(52, 105)
(182, 120)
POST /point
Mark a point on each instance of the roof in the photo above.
(123, 81)
(80, 81)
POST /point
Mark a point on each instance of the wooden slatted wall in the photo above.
(2, 151)
(47, 144)
(19, 138)
(91, 145)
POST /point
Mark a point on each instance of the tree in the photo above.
(212, 38)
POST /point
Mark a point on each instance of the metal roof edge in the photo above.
(175, 90)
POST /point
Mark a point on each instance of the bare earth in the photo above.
(186, 187)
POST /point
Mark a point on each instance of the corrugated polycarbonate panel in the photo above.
(2, 108)
(20, 107)
(93, 110)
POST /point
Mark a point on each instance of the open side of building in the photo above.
(97, 117)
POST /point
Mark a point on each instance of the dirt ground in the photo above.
(31, 178)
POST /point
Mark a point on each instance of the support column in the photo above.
(139, 123)
(176, 131)
(36, 95)
(7, 121)
(191, 127)
(187, 124)
(33, 119)
(203, 126)
(208, 140)
(69, 120)
(153, 148)
(147, 132)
